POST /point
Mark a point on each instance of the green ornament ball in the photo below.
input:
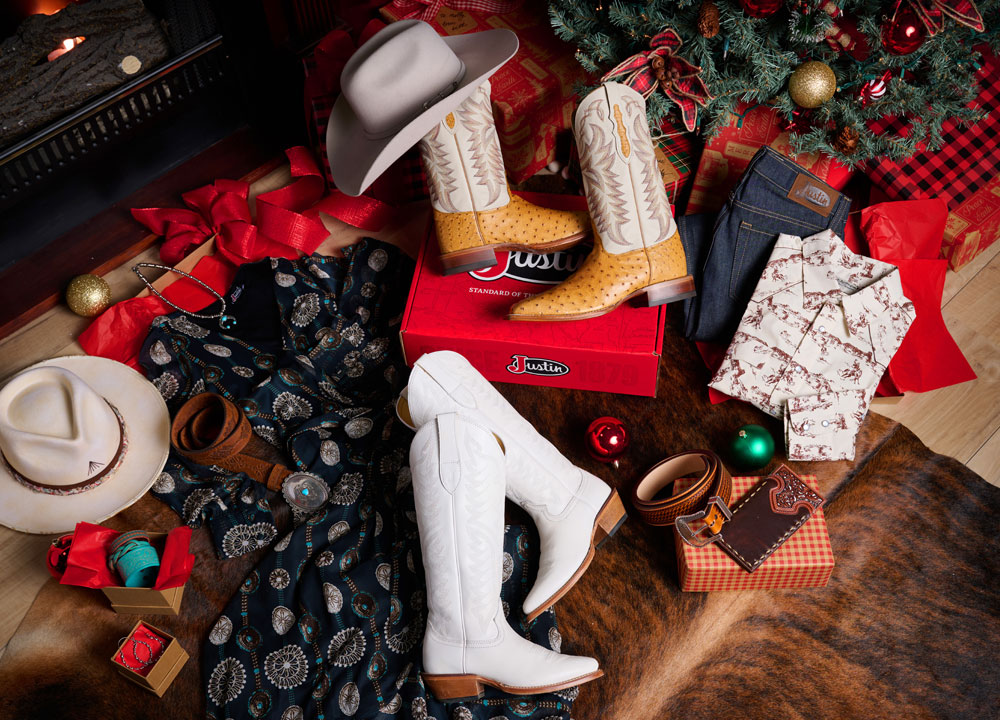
(751, 447)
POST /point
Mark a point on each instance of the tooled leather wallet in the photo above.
(766, 517)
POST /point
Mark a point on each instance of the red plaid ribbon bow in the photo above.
(662, 68)
(933, 12)
(427, 10)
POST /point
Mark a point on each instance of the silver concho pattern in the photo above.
(392, 707)
(347, 647)
(508, 567)
(375, 348)
(279, 578)
(267, 433)
(182, 325)
(221, 631)
(317, 271)
(164, 483)
(305, 309)
(353, 334)
(378, 259)
(348, 490)
(358, 427)
(292, 712)
(282, 544)
(286, 667)
(333, 597)
(159, 354)
(195, 503)
(418, 708)
(242, 371)
(325, 558)
(218, 350)
(329, 452)
(349, 699)
(569, 693)
(282, 619)
(378, 524)
(167, 385)
(337, 531)
(383, 573)
(227, 681)
(284, 279)
(461, 713)
(555, 639)
(288, 406)
(243, 539)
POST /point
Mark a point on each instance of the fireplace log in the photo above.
(122, 40)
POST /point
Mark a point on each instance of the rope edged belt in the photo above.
(706, 500)
(210, 430)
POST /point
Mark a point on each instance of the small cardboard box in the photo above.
(805, 560)
(146, 601)
(166, 668)
(973, 226)
(467, 313)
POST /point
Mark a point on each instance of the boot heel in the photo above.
(611, 517)
(467, 260)
(452, 688)
(670, 291)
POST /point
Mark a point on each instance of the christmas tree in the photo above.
(911, 59)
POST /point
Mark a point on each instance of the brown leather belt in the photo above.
(210, 430)
(707, 500)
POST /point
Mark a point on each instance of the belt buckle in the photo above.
(694, 537)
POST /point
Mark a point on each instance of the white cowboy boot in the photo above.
(637, 249)
(475, 213)
(458, 484)
(574, 511)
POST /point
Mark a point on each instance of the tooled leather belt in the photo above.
(211, 430)
(706, 500)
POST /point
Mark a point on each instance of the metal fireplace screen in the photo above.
(108, 119)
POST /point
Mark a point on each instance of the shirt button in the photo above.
(822, 328)
(825, 423)
(805, 425)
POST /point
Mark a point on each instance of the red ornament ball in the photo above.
(760, 8)
(904, 32)
(607, 439)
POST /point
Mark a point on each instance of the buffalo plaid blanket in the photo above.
(967, 160)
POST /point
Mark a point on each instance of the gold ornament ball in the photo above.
(88, 295)
(812, 84)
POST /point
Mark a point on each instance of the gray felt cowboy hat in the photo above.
(397, 87)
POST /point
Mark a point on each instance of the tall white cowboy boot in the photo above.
(458, 484)
(637, 249)
(575, 512)
(475, 213)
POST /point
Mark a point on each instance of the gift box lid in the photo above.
(804, 560)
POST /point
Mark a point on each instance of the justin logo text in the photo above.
(524, 365)
(549, 269)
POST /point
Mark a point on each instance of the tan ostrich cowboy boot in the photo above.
(475, 213)
(637, 249)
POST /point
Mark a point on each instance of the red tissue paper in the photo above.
(908, 234)
(87, 563)
(118, 333)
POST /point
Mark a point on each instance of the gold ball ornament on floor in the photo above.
(88, 295)
(812, 84)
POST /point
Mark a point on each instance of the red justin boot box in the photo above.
(467, 313)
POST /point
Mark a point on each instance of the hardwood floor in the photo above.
(962, 421)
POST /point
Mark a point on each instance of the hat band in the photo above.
(427, 105)
(89, 483)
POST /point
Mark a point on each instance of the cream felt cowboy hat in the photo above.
(80, 439)
(397, 87)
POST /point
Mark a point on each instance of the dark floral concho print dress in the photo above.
(329, 625)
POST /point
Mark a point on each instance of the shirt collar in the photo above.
(828, 265)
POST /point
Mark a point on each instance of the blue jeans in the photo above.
(727, 258)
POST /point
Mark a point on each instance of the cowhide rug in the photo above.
(907, 628)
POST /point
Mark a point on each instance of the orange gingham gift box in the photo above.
(805, 560)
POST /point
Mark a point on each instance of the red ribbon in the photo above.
(427, 10)
(221, 210)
